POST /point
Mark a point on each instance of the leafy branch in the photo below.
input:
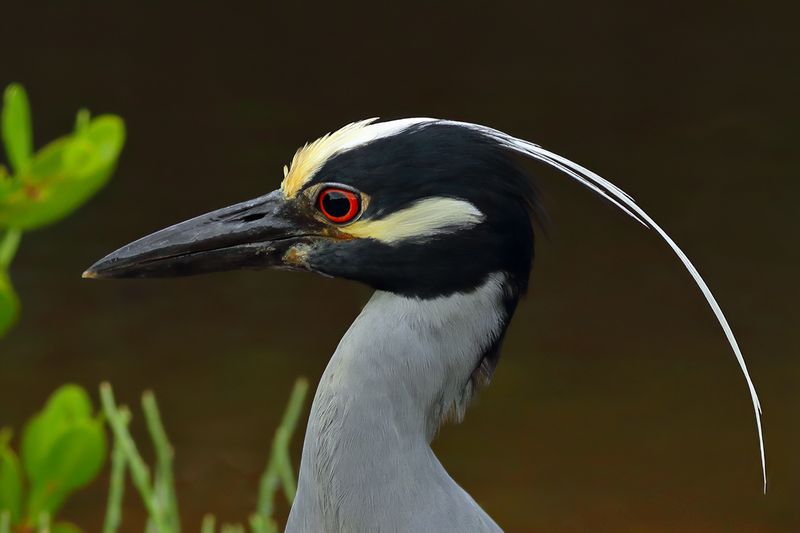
(63, 448)
(48, 185)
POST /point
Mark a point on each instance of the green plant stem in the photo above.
(8, 247)
(286, 472)
(82, 120)
(259, 524)
(164, 479)
(6, 434)
(5, 521)
(279, 469)
(209, 524)
(116, 489)
(43, 524)
(140, 474)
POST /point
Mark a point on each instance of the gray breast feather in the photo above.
(367, 464)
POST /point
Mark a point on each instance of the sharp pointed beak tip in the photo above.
(112, 266)
(98, 270)
(90, 274)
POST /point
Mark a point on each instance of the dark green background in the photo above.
(617, 406)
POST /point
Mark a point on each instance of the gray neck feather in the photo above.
(401, 368)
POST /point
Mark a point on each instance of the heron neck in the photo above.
(403, 365)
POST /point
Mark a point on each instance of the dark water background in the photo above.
(617, 405)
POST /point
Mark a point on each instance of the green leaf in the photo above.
(10, 482)
(63, 175)
(82, 120)
(68, 405)
(65, 527)
(17, 134)
(79, 454)
(79, 154)
(75, 458)
(70, 402)
(9, 242)
(9, 304)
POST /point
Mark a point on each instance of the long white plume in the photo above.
(625, 202)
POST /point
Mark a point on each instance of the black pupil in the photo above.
(336, 203)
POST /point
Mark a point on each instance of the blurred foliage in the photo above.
(157, 490)
(63, 448)
(48, 185)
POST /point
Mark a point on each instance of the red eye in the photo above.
(339, 205)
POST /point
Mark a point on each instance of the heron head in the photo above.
(418, 207)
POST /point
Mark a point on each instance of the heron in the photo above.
(437, 216)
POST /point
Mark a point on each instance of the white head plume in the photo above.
(624, 202)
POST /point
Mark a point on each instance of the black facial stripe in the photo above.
(440, 160)
(428, 267)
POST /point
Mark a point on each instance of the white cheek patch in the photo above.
(431, 216)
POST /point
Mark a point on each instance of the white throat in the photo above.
(403, 365)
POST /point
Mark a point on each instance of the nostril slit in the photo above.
(252, 217)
